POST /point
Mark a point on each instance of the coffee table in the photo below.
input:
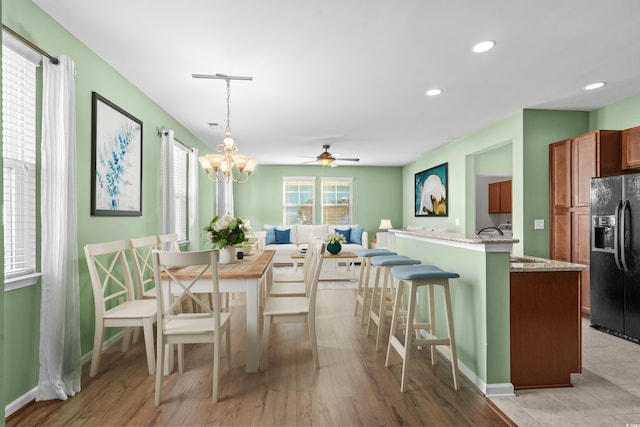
(331, 269)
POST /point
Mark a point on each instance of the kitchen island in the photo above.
(481, 299)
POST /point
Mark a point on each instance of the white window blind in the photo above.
(299, 199)
(19, 167)
(337, 199)
(180, 180)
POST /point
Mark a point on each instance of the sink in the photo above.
(525, 260)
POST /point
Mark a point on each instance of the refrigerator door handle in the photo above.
(616, 237)
(623, 228)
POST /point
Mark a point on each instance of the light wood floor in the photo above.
(351, 388)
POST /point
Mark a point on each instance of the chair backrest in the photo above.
(141, 248)
(307, 266)
(175, 274)
(314, 276)
(168, 242)
(110, 274)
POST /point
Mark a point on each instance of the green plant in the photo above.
(225, 230)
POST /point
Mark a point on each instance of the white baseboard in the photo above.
(489, 390)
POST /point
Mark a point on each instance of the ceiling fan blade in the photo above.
(347, 159)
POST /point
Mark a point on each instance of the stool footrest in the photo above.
(430, 341)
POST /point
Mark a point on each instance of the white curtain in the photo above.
(168, 190)
(194, 201)
(60, 364)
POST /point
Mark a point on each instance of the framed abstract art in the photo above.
(431, 198)
(116, 160)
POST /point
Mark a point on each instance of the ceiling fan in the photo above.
(327, 159)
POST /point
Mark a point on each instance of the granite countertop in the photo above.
(526, 263)
(458, 237)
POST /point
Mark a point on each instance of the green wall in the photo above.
(376, 194)
(22, 307)
(623, 114)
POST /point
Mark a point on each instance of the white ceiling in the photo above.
(353, 73)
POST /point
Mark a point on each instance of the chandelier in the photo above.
(227, 166)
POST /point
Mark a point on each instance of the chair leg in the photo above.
(265, 341)
(126, 339)
(148, 344)
(432, 323)
(360, 282)
(98, 336)
(395, 319)
(365, 293)
(228, 343)
(314, 341)
(376, 279)
(408, 343)
(216, 367)
(452, 338)
(159, 363)
(180, 357)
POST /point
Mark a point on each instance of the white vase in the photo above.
(228, 254)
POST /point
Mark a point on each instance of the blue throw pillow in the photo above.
(346, 233)
(271, 236)
(282, 236)
(356, 235)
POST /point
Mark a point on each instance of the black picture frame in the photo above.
(116, 160)
(431, 194)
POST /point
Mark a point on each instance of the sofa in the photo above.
(288, 239)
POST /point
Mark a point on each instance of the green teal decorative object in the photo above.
(334, 248)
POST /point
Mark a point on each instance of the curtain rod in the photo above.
(52, 59)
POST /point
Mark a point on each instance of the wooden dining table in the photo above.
(252, 275)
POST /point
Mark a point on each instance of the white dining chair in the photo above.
(115, 302)
(283, 286)
(174, 327)
(295, 309)
(141, 248)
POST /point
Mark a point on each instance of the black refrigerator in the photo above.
(615, 255)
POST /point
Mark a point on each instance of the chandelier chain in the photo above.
(228, 105)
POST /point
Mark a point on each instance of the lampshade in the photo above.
(385, 224)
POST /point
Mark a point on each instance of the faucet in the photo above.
(491, 228)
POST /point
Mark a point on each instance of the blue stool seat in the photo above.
(385, 260)
(364, 292)
(375, 252)
(421, 272)
(415, 276)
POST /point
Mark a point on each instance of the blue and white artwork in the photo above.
(431, 192)
(118, 161)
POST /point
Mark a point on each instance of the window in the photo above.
(299, 199)
(19, 164)
(180, 180)
(337, 198)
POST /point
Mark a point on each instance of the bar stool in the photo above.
(384, 305)
(416, 276)
(363, 292)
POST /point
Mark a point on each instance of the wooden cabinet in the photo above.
(546, 331)
(500, 197)
(631, 148)
(572, 164)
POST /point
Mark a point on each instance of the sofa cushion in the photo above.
(356, 236)
(305, 231)
(270, 237)
(293, 230)
(282, 236)
(346, 233)
(333, 228)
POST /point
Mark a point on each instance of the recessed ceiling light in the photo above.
(434, 92)
(484, 46)
(593, 86)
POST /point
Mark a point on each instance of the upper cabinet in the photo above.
(500, 197)
(631, 148)
(572, 164)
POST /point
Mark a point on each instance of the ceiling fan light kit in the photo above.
(326, 159)
(229, 165)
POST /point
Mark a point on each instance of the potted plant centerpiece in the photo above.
(224, 233)
(334, 242)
